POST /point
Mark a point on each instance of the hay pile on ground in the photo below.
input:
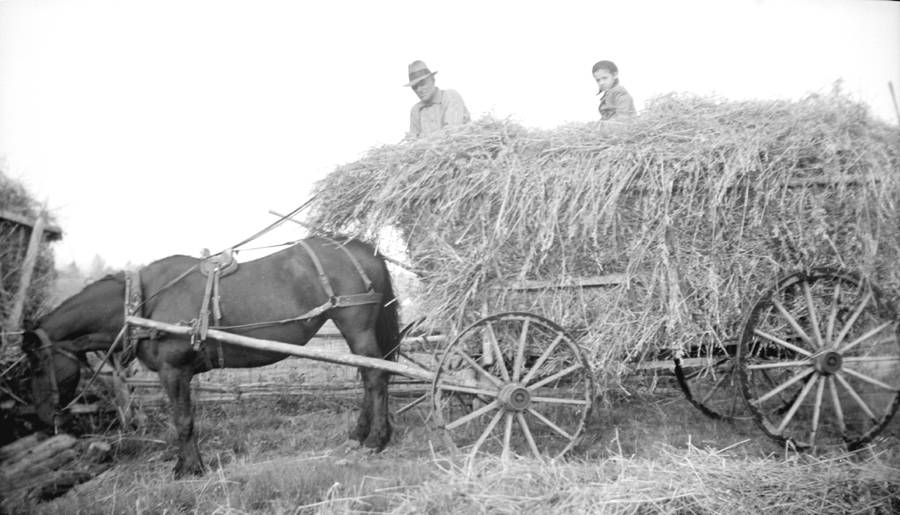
(699, 202)
(676, 481)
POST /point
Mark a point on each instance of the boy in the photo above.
(615, 101)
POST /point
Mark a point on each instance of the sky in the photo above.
(159, 127)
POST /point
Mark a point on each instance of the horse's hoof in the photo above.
(352, 445)
(186, 472)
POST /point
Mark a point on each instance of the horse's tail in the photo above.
(387, 327)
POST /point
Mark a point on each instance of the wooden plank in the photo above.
(571, 282)
(55, 232)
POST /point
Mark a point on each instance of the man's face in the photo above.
(605, 78)
(425, 89)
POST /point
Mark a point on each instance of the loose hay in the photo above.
(700, 202)
(675, 481)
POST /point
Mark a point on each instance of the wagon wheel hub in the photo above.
(514, 397)
(828, 362)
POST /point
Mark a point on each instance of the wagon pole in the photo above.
(311, 228)
(413, 372)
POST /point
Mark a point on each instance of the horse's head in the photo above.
(54, 374)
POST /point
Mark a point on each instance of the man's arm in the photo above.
(455, 112)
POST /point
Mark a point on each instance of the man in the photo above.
(437, 108)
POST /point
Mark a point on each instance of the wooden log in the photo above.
(11, 452)
(39, 453)
(36, 474)
(60, 482)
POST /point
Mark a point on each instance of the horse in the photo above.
(281, 297)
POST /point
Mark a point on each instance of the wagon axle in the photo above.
(828, 362)
(514, 397)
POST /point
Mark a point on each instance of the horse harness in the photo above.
(220, 265)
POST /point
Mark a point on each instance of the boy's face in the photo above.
(605, 78)
(425, 89)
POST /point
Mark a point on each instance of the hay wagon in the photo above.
(756, 242)
(752, 241)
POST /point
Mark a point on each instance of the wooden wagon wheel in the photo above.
(513, 383)
(709, 381)
(819, 360)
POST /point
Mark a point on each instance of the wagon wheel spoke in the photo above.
(870, 380)
(507, 435)
(474, 364)
(528, 436)
(555, 377)
(855, 396)
(473, 415)
(849, 325)
(832, 315)
(779, 341)
(495, 346)
(546, 372)
(486, 433)
(820, 390)
(836, 402)
(411, 405)
(470, 391)
(817, 341)
(782, 387)
(555, 400)
(790, 320)
(796, 405)
(854, 355)
(550, 424)
(520, 352)
(543, 357)
(864, 338)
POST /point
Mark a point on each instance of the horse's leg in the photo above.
(177, 383)
(373, 427)
(374, 412)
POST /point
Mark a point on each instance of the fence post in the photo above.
(34, 244)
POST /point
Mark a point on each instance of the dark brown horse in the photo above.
(282, 286)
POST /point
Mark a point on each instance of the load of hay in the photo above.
(696, 206)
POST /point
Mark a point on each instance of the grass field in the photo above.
(648, 452)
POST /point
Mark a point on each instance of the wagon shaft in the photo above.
(413, 372)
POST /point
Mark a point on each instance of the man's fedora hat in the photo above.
(418, 72)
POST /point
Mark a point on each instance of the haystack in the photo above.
(697, 205)
(14, 239)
